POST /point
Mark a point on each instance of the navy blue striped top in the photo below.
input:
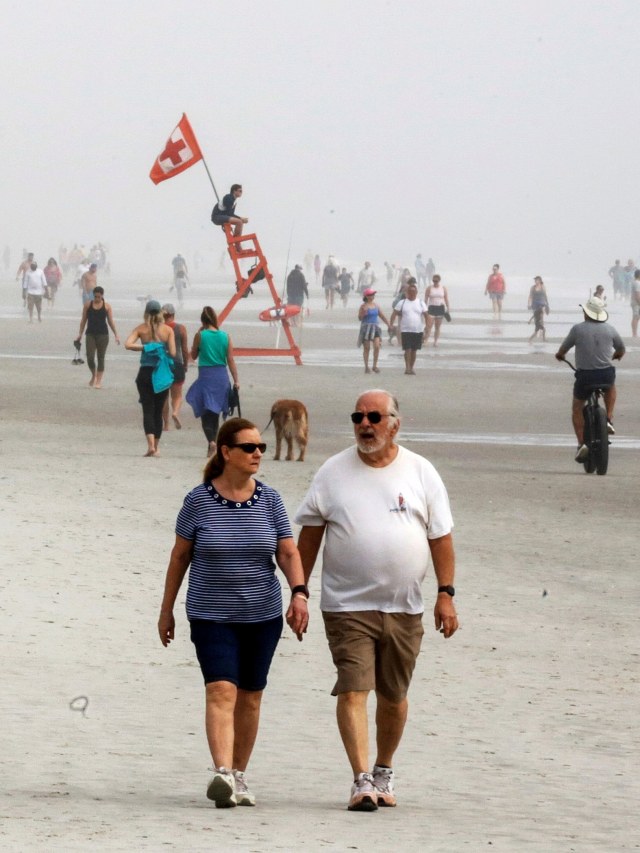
(232, 574)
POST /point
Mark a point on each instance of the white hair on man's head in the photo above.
(394, 408)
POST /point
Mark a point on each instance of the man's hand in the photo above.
(298, 616)
(617, 355)
(445, 615)
(560, 355)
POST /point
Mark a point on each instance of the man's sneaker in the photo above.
(244, 797)
(583, 452)
(222, 788)
(364, 797)
(383, 783)
(610, 428)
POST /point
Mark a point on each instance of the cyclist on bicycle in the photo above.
(594, 340)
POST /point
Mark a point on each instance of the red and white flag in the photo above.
(180, 152)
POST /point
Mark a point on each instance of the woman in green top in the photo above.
(209, 394)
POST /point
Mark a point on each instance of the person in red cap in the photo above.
(370, 315)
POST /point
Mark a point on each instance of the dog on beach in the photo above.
(291, 421)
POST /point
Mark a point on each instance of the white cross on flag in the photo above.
(180, 152)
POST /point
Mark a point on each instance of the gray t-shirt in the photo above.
(595, 343)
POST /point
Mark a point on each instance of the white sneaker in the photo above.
(244, 797)
(383, 783)
(222, 788)
(364, 797)
(610, 429)
(583, 452)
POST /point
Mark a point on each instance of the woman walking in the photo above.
(209, 394)
(229, 530)
(437, 300)
(53, 275)
(370, 315)
(156, 344)
(98, 319)
(539, 304)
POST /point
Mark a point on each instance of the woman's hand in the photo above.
(298, 615)
(166, 627)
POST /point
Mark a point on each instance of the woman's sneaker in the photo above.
(244, 797)
(364, 797)
(383, 783)
(222, 788)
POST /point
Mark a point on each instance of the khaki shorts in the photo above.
(374, 651)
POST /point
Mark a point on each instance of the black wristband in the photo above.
(303, 588)
(448, 589)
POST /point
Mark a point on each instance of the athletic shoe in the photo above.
(582, 454)
(364, 797)
(383, 783)
(244, 797)
(610, 428)
(222, 788)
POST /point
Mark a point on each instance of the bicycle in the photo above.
(596, 435)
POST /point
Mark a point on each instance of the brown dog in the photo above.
(291, 420)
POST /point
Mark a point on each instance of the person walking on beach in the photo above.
(384, 510)
(53, 275)
(370, 315)
(229, 531)
(496, 289)
(317, 266)
(225, 211)
(35, 287)
(21, 275)
(634, 301)
(597, 345)
(173, 402)
(155, 342)
(437, 300)
(97, 318)
(180, 277)
(329, 282)
(366, 278)
(346, 285)
(297, 291)
(209, 394)
(430, 269)
(617, 275)
(88, 281)
(539, 304)
(413, 314)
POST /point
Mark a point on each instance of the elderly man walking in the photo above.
(384, 510)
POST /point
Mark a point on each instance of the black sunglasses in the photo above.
(250, 446)
(372, 417)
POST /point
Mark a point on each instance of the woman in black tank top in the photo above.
(98, 319)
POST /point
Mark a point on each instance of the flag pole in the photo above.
(204, 163)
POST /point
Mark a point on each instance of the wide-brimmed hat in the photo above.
(594, 308)
(369, 292)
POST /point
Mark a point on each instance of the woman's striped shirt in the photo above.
(232, 574)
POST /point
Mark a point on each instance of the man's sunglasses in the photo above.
(372, 417)
(250, 446)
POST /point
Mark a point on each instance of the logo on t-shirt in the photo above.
(401, 507)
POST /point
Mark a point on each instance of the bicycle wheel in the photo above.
(589, 434)
(601, 443)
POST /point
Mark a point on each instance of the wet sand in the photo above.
(522, 732)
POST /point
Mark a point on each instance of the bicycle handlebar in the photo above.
(566, 361)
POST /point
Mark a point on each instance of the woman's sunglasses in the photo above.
(250, 446)
(372, 417)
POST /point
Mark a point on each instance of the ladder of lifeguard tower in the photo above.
(236, 251)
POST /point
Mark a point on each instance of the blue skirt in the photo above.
(210, 391)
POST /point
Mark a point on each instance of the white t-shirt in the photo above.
(378, 521)
(411, 314)
(35, 283)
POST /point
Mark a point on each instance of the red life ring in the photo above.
(284, 312)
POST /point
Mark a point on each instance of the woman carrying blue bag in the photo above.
(156, 344)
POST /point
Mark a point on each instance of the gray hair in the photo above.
(394, 408)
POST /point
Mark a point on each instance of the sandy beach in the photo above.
(523, 728)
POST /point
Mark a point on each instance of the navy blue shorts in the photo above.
(239, 652)
(587, 380)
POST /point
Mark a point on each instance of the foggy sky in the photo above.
(470, 131)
